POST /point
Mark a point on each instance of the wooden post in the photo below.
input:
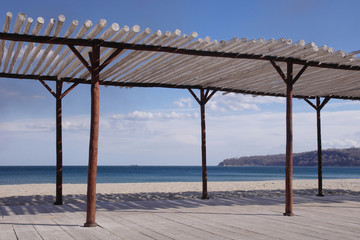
(203, 145)
(318, 107)
(204, 98)
(289, 141)
(59, 159)
(94, 135)
(318, 120)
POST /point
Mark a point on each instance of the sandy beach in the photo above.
(33, 194)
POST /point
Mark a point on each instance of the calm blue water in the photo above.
(132, 174)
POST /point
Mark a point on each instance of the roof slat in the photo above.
(60, 23)
(26, 30)
(39, 46)
(5, 29)
(18, 24)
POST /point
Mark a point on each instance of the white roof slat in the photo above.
(38, 48)
(84, 28)
(153, 38)
(55, 53)
(346, 78)
(26, 30)
(136, 57)
(5, 29)
(144, 68)
(176, 63)
(216, 68)
(140, 37)
(123, 36)
(235, 65)
(91, 35)
(18, 24)
(259, 46)
(30, 45)
(85, 54)
(277, 46)
(144, 56)
(59, 24)
(158, 69)
(76, 64)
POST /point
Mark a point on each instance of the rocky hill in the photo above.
(330, 157)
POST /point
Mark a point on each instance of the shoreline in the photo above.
(35, 194)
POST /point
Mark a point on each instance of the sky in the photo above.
(154, 126)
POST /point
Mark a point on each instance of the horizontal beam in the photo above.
(144, 47)
(146, 85)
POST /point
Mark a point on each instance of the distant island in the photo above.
(330, 157)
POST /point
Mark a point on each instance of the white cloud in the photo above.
(240, 102)
(340, 143)
(184, 102)
(174, 137)
(159, 116)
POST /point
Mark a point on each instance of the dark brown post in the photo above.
(318, 120)
(203, 145)
(94, 134)
(204, 98)
(59, 160)
(289, 141)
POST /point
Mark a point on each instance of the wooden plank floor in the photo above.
(330, 217)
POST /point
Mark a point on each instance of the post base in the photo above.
(289, 214)
(205, 197)
(58, 203)
(90, 225)
(320, 195)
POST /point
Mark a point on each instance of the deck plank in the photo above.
(332, 217)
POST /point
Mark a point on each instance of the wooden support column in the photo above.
(318, 107)
(94, 136)
(319, 147)
(289, 142)
(59, 155)
(203, 145)
(289, 80)
(204, 98)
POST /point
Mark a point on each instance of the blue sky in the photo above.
(162, 126)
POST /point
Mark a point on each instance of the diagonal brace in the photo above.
(80, 57)
(318, 106)
(282, 75)
(48, 88)
(111, 58)
(68, 90)
(206, 98)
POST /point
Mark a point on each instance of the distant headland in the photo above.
(330, 157)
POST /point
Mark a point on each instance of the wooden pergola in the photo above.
(128, 57)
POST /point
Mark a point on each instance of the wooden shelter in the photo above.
(127, 57)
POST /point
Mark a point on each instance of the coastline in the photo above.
(34, 194)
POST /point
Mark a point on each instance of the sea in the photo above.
(138, 174)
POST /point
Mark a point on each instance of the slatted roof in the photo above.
(39, 49)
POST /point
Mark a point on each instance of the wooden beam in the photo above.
(203, 145)
(319, 147)
(318, 107)
(59, 152)
(94, 138)
(289, 142)
(80, 57)
(48, 88)
(204, 98)
(155, 48)
(69, 90)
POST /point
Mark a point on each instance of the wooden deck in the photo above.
(330, 217)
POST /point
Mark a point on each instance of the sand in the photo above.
(33, 194)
